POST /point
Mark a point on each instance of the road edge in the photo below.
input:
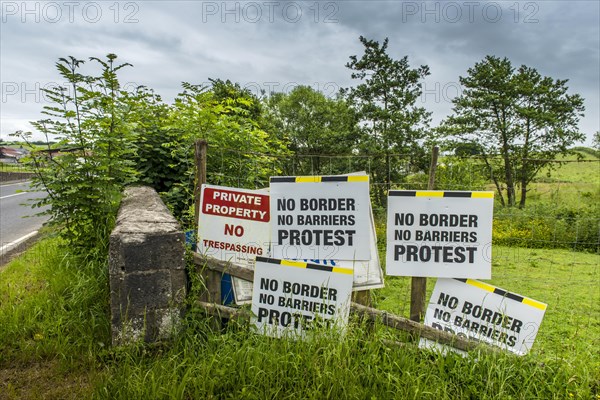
(15, 248)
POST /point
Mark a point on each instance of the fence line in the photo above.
(562, 211)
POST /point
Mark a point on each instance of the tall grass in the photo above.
(360, 365)
(54, 307)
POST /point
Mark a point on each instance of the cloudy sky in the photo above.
(276, 45)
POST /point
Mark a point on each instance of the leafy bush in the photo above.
(86, 170)
(240, 152)
(547, 226)
(453, 173)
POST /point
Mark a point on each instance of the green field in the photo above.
(567, 281)
(55, 332)
(55, 343)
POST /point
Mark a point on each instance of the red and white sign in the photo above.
(233, 224)
(238, 203)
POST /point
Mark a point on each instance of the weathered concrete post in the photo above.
(147, 269)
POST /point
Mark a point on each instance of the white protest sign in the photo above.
(439, 234)
(291, 297)
(233, 224)
(479, 311)
(320, 217)
(367, 274)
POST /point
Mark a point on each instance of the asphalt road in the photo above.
(17, 218)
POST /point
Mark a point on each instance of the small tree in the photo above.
(385, 102)
(519, 115)
(85, 171)
(240, 152)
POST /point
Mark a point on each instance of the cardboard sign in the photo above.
(233, 224)
(439, 234)
(479, 311)
(323, 218)
(290, 297)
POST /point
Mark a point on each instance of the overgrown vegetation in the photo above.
(90, 118)
(55, 327)
(53, 309)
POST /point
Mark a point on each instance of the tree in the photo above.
(156, 164)
(316, 128)
(385, 103)
(241, 153)
(90, 117)
(517, 114)
(596, 140)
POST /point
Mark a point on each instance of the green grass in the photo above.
(10, 167)
(562, 210)
(585, 171)
(53, 323)
(575, 184)
(54, 343)
(565, 280)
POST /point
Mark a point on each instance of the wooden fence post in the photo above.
(212, 279)
(418, 287)
(200, 150)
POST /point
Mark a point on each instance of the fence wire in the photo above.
(562, 211)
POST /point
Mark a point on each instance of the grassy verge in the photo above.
(53, 319)
(54, 344)
(9, 167)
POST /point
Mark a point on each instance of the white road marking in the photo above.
(11, 195)
(15, 184)
(15, 243)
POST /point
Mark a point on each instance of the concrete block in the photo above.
(148, 283)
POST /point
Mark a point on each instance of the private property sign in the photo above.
(233, 224)
(321, 217)
(439, 234)
(479, 311)
(293, 297)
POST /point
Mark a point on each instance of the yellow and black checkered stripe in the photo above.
(300, 264)
(318, 179)
(441, 193)
(504, 293)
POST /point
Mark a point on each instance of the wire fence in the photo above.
(562, 207)
(552, 242)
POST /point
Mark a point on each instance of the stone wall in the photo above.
(14, 176)
(147, 269)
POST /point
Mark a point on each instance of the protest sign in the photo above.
(324, 218)
(479, 311)
(367, 274)
(439, 234)
(291, 297)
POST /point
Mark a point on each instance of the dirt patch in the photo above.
(44, 380)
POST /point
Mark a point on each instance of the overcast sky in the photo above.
(276, 45)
